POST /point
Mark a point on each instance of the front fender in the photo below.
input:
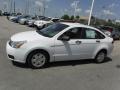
(50, 52)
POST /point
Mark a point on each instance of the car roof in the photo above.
(78, 25)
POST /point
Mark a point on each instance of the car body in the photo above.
(59, 42)
(12, 17)
(24, 19)
(31, 21)
(116, 34)
(6, 14)
(16, 19)
(111, 31)
(42, 23)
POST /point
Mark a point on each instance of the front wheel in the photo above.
(100, 57)
(37, 59)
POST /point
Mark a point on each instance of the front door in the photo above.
(72, 49)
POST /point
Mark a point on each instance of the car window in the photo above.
(47, 19)
(52, 30)
(74, 33)
(99, 35)
(91, 34)
(55, 20)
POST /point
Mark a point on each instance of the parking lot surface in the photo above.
(77, 75)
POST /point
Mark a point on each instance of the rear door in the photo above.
(91, 40)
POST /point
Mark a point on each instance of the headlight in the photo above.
(16, 44)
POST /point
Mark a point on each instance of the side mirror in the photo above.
(64, 38)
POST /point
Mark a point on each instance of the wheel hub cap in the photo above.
(38, 60)
(101, 57)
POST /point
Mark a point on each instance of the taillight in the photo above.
(110, 30)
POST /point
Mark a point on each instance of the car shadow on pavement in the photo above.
(64, 63)
(76, 62)
(21, 65)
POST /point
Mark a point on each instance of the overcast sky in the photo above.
(56, 8)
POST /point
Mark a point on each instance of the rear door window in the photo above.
(91, 34)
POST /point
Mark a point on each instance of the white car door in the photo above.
(82, 44)
(69, 50)
(91, 41)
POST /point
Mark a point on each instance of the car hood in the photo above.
(28, 36)
(41, 21)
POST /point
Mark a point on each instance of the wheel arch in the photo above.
(37, 49)
(103, 49)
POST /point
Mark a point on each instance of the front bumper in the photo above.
(38, 25)
(14, 54)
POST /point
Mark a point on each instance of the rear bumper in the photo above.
(31, 24)
(110, 49)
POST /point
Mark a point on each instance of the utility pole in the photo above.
(14, 6)
(27, 7)
(75, 7)
(11, 5)
(5, 8)
(44, 7)
(91, 12)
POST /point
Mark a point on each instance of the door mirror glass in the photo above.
(64, 38)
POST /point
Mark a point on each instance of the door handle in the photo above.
(78, 42)
(98, 41)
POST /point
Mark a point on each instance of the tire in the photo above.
(43, 26)
(119, 38)
(37, 59)
(100, 57)
(14, 63)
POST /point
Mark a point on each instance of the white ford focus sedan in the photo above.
(59, 42)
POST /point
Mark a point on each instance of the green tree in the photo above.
(65, 17)
(72, 17)
(77, 17)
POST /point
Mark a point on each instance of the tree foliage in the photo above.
(77, 17)
(72, 17)
(65, 17)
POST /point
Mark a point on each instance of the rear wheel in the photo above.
(100, 57)
(37, 59)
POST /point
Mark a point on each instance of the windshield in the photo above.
(41, 18)
(52, 30)
(47, 19)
